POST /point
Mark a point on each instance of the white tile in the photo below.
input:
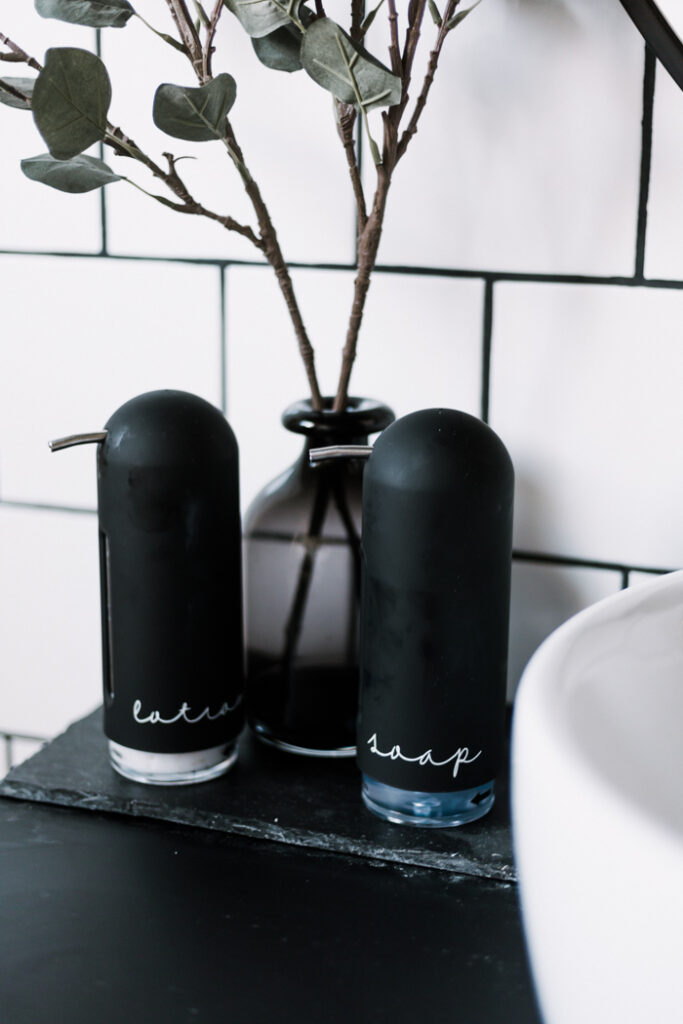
(527, 155)
(285, 126)
(543, 597)
(82, 336)
(50, 620)
(663, 250)
(35, 216)
(586, 393)
(420, 346)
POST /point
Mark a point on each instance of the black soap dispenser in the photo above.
(436, 558)
(437, 550)
(171, 592)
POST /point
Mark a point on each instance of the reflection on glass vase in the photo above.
(302, 587)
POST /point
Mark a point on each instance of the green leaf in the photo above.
(197, 115)
(280, 49)
(435, 13)
(370, 18)
(460, 16)
(261, 17)
(346, 69)
(23, 85)
(71, 98)
(95, 13)
(80, 174)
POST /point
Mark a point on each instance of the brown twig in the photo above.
(17, 93)
(18, 55)
(268, 241)
(357, 15)
(394, 46)
(367, 256)
(346, 120)
(208, 44)
(188, 34)
(411, 127)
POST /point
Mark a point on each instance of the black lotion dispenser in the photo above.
(171, 592)
(436, 560)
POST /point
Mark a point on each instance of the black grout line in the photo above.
(224, 339)
(487, 333)
(645, 159)
(585, 563)
(539, 557)
(446, 272)
(625, 579)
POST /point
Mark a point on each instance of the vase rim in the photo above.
(362, 416)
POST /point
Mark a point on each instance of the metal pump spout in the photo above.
(340, 451)
(74, 439)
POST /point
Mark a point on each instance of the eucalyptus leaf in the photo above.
(95, 13)
(280, 49)
(346, 69)
(460, 16)
(435, 13)
(367, 22)
(80, 174)
(23, 85)
(71, 98)
(259, 18)
(195, 114)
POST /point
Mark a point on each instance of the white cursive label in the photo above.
(154, 717)
(461, 756)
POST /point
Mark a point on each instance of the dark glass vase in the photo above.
(302, 588)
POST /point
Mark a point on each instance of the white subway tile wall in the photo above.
(530, 273)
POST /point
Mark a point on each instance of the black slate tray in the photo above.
(268, 795)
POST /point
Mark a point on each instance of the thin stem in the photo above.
(367, 256)
(357, 16)
(208, 45)
(411, 127)
(394, 46)
(162, 35)
(346, 119)
(18, 55)
(17, 93)
(188, 34)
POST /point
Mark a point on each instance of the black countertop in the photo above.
(320, 919)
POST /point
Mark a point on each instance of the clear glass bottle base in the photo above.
(292, 748)
(427, 810)
(172, 769)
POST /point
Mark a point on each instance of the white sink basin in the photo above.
(597, 800)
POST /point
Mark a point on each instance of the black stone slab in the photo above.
(114, 919)
(269, 795)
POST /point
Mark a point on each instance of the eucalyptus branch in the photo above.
(17, 93)
(346, 120)
(415, 18)
(394, 46)
(17, 55)
(367, 257)
(357, 15)
(268, 241)
(411, 127)
(273, 253)
(162, 35)
(207, 53)
(188, 34)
